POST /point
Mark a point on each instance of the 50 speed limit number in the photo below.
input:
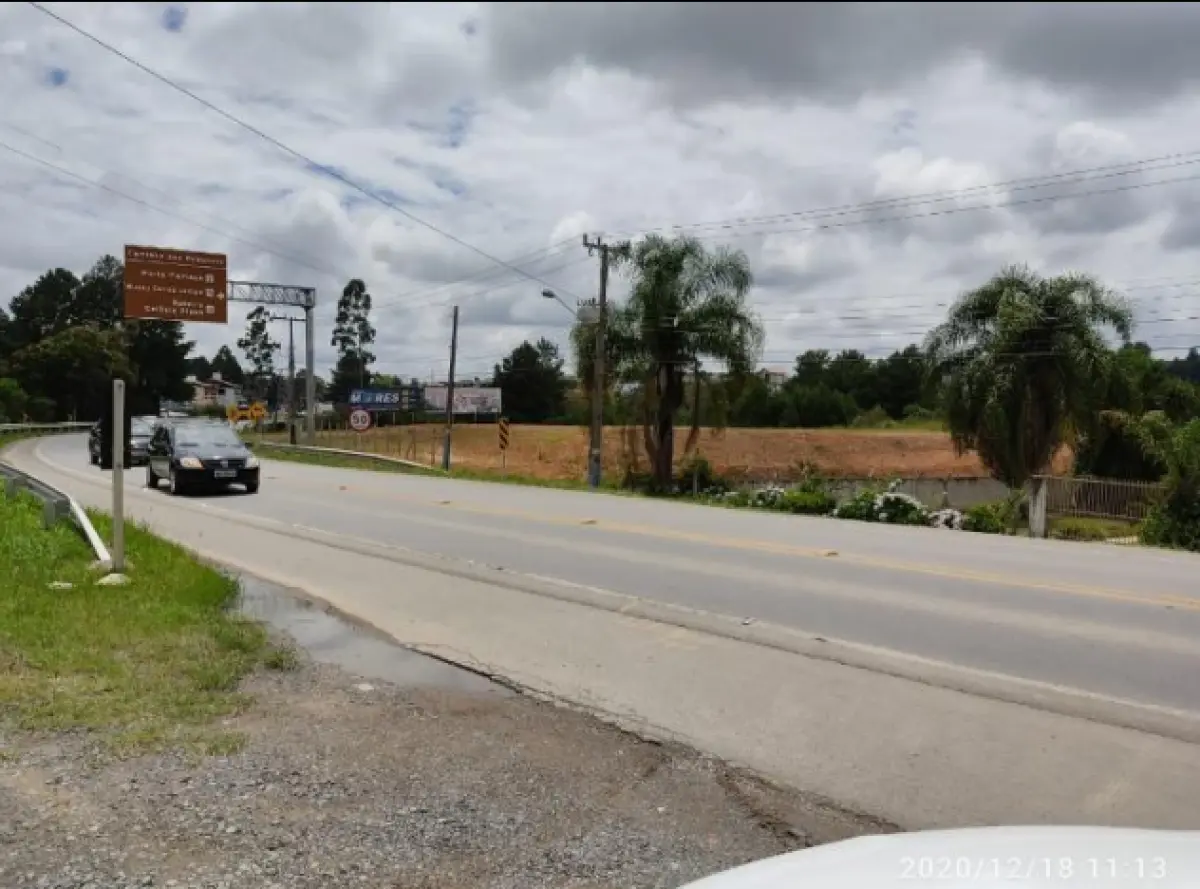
(360, 420)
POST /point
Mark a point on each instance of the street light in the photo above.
(590, 312)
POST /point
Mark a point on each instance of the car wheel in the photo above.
(176, 488)
(151, 478)
(252, 487)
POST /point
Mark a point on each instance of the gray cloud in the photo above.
(506, 139)
(1183, 231)
(1119, 54)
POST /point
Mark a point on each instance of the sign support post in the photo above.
(450, 392)
(310, 378)
(118, 477)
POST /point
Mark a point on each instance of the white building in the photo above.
(214, 392)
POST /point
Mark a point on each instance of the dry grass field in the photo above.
(560, 452)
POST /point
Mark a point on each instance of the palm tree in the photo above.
(1023, 362)
(685, 304)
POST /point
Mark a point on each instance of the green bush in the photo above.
(698, 474)
(914, 412)
(1175, 521)
(875, 418)
(807, 502)
(987, 518)
(897, 508)
(860, 507)
(1173, 524)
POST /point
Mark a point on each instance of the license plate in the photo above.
(225, 473)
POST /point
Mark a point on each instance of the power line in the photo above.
(287, 149)
(950, 211)
(63, 171)
(263, 247)
(1165, 282)
(274, 249)
(1168, 161)
(1016, 184)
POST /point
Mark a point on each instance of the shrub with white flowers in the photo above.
(890, 506)
(897, 508)
(946, 519)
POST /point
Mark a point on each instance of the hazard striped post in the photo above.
(502, 438)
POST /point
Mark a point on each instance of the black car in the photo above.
(140, 430)
(200, 454)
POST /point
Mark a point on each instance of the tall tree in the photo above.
(1023, 362)
(158, 350)
(226, 364)
(532, 384)
(7, 344)
(900, 382)
(685, 304)
(259, 348)
(13, 401)
(199, 367)
(353, 337)
(75, 367)
(319, 384)
(43, 308)
(811, 367)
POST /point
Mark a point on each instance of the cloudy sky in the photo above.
(872, 159)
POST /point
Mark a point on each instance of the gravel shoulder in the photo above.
(350, 782)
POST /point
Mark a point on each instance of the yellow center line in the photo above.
(782, 549)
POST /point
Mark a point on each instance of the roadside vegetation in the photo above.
(1028, 374)
(374, 463)
(145, 665)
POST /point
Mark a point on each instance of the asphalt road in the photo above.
(1116, 622)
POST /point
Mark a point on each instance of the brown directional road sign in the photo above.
(175, 285)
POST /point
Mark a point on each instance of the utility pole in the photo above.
(291, 372)
(450, 390)
(596, 446)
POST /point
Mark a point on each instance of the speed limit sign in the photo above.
(360, 420)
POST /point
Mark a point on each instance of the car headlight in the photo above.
(252, 463)
(190, 463)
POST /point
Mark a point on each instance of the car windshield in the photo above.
(207, 436)
(140, 427)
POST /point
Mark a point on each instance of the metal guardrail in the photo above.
(58, 506)
(342, 452)
(45, 427)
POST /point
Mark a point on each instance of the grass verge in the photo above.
(1091, 529)
(146, 665)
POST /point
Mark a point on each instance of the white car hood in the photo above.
(983, 858)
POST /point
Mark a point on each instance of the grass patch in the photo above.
(147, 665)
(1090, 529)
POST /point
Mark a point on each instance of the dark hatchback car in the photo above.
(197, 455)
(140, 430)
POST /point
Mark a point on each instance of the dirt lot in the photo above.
(346, 782)
(560, 452)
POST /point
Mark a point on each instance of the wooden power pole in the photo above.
(596, 446)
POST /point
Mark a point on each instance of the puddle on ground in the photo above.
(330, 640)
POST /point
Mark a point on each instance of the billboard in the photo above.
(467, 400)
(403, 398)
(175, 285)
